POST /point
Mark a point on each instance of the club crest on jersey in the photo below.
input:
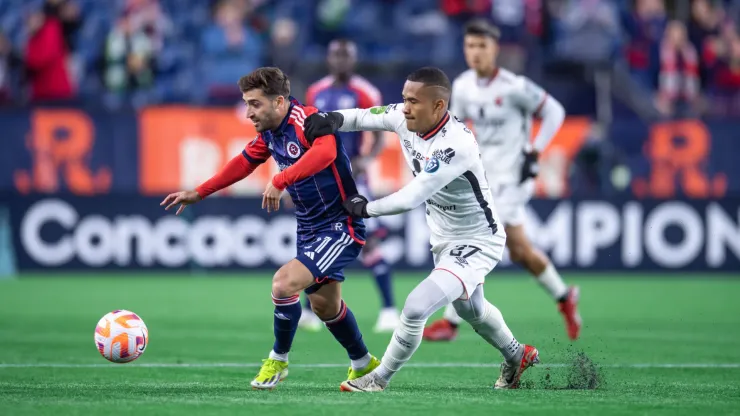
(293, 149)
(444, 155)
(432, 165)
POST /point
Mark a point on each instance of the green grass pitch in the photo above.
(665, 346)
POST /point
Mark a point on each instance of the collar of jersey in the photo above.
(436, 128)
(491, 78)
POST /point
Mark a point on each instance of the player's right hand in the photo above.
(184, 198)
(322, 124)
(530, 167)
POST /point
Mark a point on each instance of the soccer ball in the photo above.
(121, 336)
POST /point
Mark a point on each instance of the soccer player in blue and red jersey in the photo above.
(317, 175)
(343, 89)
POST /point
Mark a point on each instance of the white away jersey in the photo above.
(501, 110)
(448, 175)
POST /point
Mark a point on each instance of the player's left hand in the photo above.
(322, 124)
(530, 167)
(356, 205)
(271, 198)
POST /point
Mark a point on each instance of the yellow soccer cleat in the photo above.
(355, 374)
(271, 373)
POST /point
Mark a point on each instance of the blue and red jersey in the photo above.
(317, 175)
(327, 94)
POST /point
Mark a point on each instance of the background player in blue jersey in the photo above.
(318, 177)
(343, 89)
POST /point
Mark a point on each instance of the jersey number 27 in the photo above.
(464, 251)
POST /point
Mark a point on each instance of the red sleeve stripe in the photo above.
(298, 115)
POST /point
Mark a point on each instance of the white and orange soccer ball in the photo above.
(121, 336)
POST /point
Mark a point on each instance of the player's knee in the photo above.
(464, 309)
(415, 308)
(325, 308)
(282, 286)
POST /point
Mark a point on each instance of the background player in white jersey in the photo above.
(467, 241)
(501, 106)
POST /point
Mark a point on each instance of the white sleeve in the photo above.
(437, 174)
(386, 118)
(457, 104)
(530, 97)
(552, 114)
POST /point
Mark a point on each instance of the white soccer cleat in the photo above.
(388, 320)
(511, 374)
(366, 383)
(309, 321)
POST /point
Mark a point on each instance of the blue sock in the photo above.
(382, 273)
(285, 322)
(345, 330)
(307, 304)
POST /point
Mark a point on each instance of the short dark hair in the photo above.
(481, 27)
(272, 81)
(430, 77)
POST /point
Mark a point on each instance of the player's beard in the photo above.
(266, 122)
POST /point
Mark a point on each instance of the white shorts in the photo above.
(469, 260)
(511, 201)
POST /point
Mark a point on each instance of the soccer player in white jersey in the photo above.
(501, 106)
(466, 237)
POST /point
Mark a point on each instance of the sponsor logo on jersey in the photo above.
(432, 165)
(293, 150)
(444, 155)
(407, 144)
(390, 107)
(309, 254)
(443, 208)
(461, 261)
(379, 110)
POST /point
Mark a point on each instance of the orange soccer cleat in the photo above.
(511, 374)
(441, 330)
(569, 310)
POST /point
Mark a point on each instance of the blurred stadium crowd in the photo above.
(650, 58)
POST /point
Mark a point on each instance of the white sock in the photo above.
(279, 357)
(361, 363)
(406, 339)
(451, 315)
(490, 325)
(552, 282)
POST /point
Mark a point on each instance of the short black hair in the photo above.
(431, 77)
(272, 81)
(481, 27)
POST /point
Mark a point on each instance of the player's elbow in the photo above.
(553, 110)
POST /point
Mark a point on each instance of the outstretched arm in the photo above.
(383, 118)
(238, 168)
(436, 175)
